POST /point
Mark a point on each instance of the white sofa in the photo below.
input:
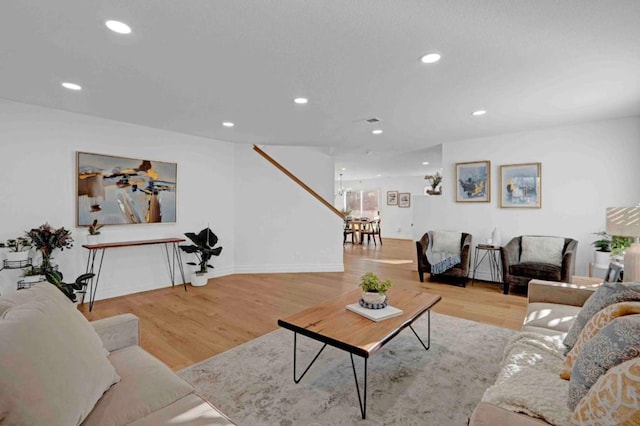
(58, 368)
(552, 309)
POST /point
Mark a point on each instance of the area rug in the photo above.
(253, 383)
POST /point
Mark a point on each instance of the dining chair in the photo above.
(372, 229)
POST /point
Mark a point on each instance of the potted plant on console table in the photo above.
(204, 248)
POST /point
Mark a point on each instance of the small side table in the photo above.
(492, 253)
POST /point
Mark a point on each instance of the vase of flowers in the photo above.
(46, 240)
(94, 233)
(435, 180)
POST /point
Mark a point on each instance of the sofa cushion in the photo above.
(542, 250)
(614, 344)
(540, 271)
(147, 386)
(614, 399)
(549, 316)
(186, 411)
(446, 242)
(593, 327)
(53, 367)
(607, 294)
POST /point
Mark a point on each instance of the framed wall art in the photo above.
(404, 199)
(392, 198)
(473, 182)
(521, 185)
(119, 190)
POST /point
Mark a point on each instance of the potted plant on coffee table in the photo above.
(375, 291)
(204, 248)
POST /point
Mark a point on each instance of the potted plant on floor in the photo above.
(375, 290)
(71, 290)
(204, 248)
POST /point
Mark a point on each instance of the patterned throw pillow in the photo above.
(595, 324)
(616, 343)
(607, 294)
(614, 399)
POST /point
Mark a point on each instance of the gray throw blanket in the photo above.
(440, 261)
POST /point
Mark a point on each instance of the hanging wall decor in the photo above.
(521, 185)
(119, 190)
(473, 182)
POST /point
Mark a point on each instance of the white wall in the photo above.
(279, 226)
(37, 171)
(585, 168)
(37, 168)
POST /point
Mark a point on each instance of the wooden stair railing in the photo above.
(298, 181)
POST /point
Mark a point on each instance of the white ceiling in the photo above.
(191, 64)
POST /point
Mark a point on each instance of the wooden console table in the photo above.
(95, 248)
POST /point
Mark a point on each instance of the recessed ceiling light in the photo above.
(344, 168)
(71, 86)
(430, 58)
(301, 101)
(228, 124)
(425, 163)
(376, 132)
(118, 27)
(378, 175)
(479, 112)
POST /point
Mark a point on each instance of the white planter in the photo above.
(199, 280)
(94, 239)
(17, 256)
(602, 259)
(373, 297)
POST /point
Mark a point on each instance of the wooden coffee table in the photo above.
(332, 324)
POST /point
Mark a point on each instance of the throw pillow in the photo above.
(595, 324)
(542, 250)
(607, 294)
(53, 366)
(446, 242)
(614, 399)
(616, 343)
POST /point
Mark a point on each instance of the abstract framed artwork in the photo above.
(118, 190)
(404, 199)
(473, 182)
(521, 185)
(392, 198)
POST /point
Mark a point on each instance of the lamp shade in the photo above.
(623, 221)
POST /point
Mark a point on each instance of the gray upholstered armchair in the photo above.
(544, 262)
(457, 274)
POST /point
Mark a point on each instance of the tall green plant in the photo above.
(203, 247)
(69, 289)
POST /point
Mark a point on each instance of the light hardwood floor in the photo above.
(182, 328)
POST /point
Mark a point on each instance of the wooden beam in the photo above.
(298, 181)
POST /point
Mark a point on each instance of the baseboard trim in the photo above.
(270, 269)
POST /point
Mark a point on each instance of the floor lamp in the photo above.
(625, 222)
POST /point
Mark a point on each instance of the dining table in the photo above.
(357, 225)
